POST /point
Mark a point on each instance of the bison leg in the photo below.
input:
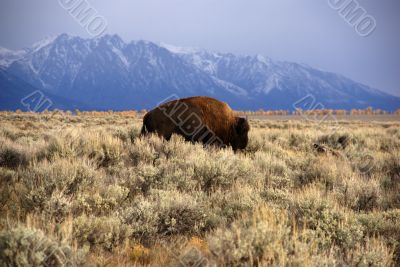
(165, 136)
(144, 131)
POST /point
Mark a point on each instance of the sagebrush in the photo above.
(89, 189)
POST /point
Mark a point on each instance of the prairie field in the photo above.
(87, 190)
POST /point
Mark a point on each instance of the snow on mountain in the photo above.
(280, 84)
(44, 42)
(107, 72)
(115, 74)
(179, 49)
(8, 56)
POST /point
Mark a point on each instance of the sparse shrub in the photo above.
(386, 225)
(7, 180)
(391, 169)
(271, 165)
(56, 148)
(260, 238)
(142, 218)
(58, 206)
(144, 150)
(298, 140)
(373, 253)
(337, 140)
(105, 150)
(318, 169)
(222, 171)
(233, 204)
(179, 218)
(277, 173)
(10, 133)
(360, 193)
(63, 176)
(388, 143)
(165, 213)
(330, 226)
(277, 197)
(122, 135)
(256, 141)
(104, 232)
(103, 202)
(13, 156)
(147, 177)
(134, 133)
(23, 246)
(179, 213)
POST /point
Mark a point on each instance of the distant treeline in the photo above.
(318, 112)
(261, 112)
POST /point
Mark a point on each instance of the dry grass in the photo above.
(86, 190)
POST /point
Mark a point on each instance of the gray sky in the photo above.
(304, 31)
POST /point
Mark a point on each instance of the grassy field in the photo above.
(86, 190)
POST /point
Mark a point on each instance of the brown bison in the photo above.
(198, 119)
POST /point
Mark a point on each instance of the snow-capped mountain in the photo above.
(107, 73)
(279, 85)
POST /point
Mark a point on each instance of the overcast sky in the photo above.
(303, 31)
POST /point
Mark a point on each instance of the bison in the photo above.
(198, 119)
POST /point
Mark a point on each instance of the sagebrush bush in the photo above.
(326, 170)
(145, 201)
(262, 238)
(331, 226)
(102, 202)
(235, 203)
(337, 140)
(374, 253)
(14, 155)
(65, 176)
(167, 212)
(24, 246)
(360, 194)
(386, 225)
(100, 232)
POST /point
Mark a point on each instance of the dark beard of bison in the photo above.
(239, 143)
(239, 133)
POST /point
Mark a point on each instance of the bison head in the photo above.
(240, 134)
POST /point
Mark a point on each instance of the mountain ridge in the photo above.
(108, 73)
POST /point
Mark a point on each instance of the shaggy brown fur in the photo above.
(198, 119)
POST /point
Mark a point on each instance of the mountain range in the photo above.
(107, 73)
